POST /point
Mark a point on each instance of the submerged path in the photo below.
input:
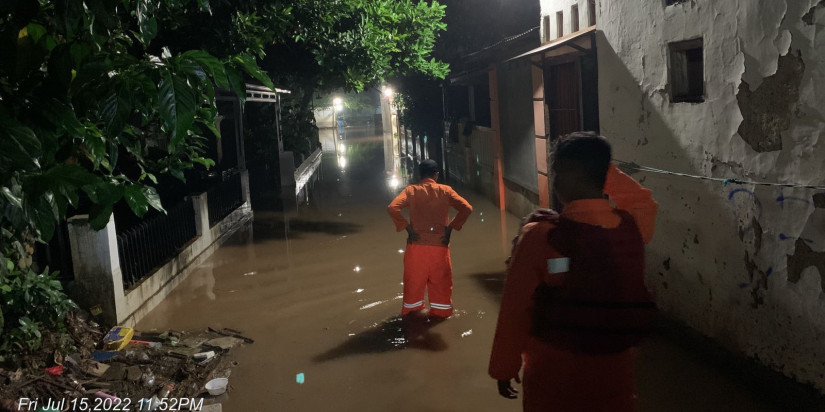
(320, 289)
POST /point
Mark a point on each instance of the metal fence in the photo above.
(151, 243)
(224, 198)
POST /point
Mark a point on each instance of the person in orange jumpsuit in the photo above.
(427, 265)
(566, 369)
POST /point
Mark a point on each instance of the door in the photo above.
(564, 99)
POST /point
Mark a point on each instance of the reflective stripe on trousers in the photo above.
(428, 269)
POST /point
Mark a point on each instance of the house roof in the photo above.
(479, 60)
(580, 41)
(255, 93)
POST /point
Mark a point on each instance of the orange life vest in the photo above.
(603, 305)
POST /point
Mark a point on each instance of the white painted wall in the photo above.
(551, 7)
(720, 258)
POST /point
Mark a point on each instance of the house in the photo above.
(490, 142)
(720, 104)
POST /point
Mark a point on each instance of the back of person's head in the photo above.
(428, 169)
(583, 159)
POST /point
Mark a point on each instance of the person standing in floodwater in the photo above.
(575, 303)
(427, 265)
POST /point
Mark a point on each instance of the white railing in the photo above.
(305, 171)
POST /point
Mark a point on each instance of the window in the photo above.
(591, 8)
(546, 26)
(560, 24)
(574, 18)
(687, 71)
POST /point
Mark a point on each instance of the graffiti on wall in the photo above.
(803, 225)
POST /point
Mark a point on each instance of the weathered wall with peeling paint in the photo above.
(743, 264)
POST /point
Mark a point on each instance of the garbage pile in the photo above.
(146, 368)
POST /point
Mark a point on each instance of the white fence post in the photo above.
(245, 194)
(98, 279)
(201, 204)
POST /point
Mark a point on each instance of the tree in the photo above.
(89, 116)
(98, 98)
(316, 47)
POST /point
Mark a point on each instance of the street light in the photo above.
(388, 92)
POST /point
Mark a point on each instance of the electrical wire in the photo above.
(724, 181)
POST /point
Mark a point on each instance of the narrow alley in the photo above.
(320, 291)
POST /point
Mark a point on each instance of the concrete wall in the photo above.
(470, 161)
(98, 277)
(518, 137)
(326, 135)
(742, 264)
(517, 131)
(551, 7)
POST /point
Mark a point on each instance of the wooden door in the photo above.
(564, 99)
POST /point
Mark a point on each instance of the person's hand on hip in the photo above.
(445, 238)
(506, 389)
(412, 236)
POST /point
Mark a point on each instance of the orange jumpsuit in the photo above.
(427, 263)
(556, 379)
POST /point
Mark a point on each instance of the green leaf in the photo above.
(149, 176)
(44, 220)
(148, 24)
(18, 146)
(35, 31)
(115, 110)
(114, 153)
(11, 198)
(140, 198)
(204, 6)
(178, 174)
(136, 199)
(236, 82)
(152, 198)
(70, 174)
(249, 64)
(99, 216)
(207, 163)
(104, 192)
(177, 106)
(211, 65)
(192, 69)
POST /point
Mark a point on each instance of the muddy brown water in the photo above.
(319, 289)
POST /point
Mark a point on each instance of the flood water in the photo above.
(319, 289)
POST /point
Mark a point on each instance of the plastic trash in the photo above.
(149, 379)
(204, 355)
(55, 370)
(217, 386)
(104, 395)
(153, 345)
(118, 337)
(299, 378)
(166, 391)
(104, 356)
